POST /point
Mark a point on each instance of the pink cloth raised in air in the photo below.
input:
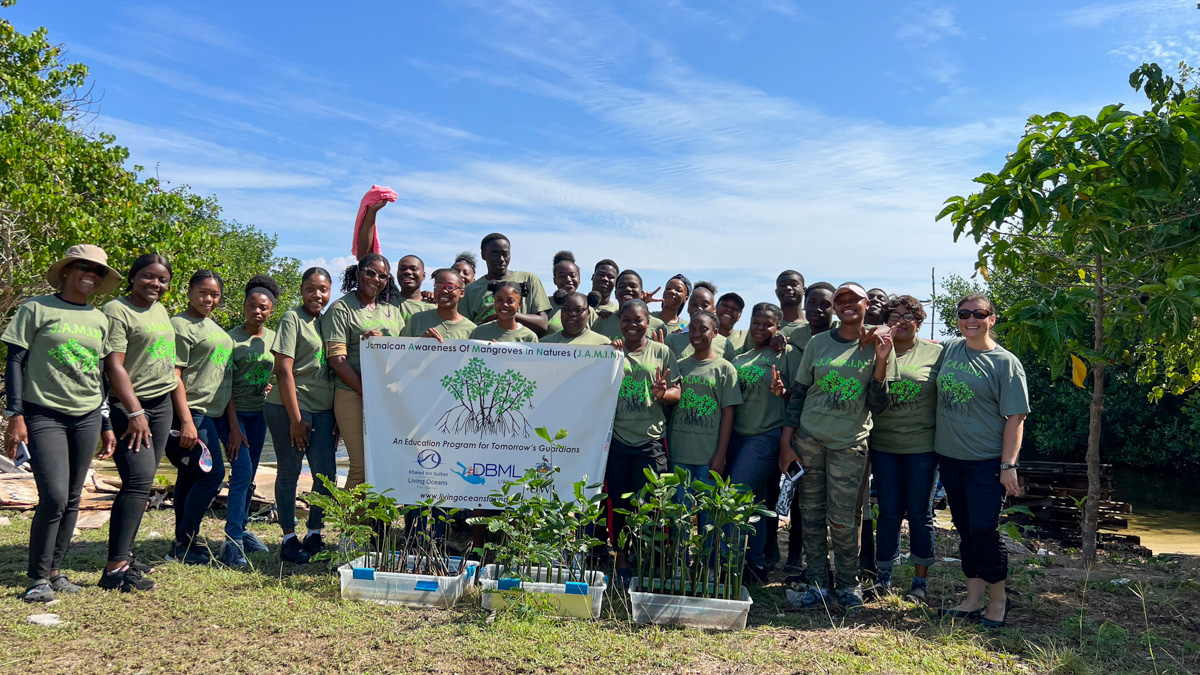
(374, 195)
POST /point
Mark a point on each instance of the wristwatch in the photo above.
(1005, 466)
(10, 413)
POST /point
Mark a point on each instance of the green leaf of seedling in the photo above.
(562, 433)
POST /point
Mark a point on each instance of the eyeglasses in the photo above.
(964, 314)
(91, 268)
(574, 310)
(369, 273)
(907, 316)
(446, 287)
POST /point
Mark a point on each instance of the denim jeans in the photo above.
(904, 486)
(60, 451)
(624, 474)
(195, 488)
(136, 467)
(321, 455)
(755, 460)
(242, 470)
(976, 497)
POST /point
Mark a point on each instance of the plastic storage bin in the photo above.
(581, 600)
(360, 582)
(682, 610)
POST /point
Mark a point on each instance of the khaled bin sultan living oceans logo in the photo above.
(489, 403)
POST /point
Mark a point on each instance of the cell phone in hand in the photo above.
(22, 454)
(795, 470)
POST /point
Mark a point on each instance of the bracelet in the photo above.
(136, 414)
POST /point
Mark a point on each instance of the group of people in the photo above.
(831, 381)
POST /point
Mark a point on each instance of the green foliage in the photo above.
(61, 185)
(488, 402)
(690, 539)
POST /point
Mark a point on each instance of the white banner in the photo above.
(455, 420)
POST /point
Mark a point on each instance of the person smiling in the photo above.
(54, 385)
(444, 322)
(903, 464)
(574, 314)
(789, 290)
(299, 413)
(826, 429)
(464, 264)
(566, 282)
(504, 327)
(876, 312)
(675, 297)
(982, 402)
(604, 280)
(729, 311)
(628, 287)
(703, 299)
(252, 364)
(202, 351)
(478, 301)
(410, 274)
(361, 313)
(141, 371)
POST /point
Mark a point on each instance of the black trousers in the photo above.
(136, 468)
(61, 448)
(625, 473)
(976, 497)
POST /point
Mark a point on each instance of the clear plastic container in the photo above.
(396, 588)
(581, 600)
(682, 610)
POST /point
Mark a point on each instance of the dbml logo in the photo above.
(429, 459)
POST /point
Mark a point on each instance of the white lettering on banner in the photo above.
(455, 420)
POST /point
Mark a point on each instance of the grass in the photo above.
(280, 618)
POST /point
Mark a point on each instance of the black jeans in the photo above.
(626, 473)
(136, 468)
(194, 487)
(976, 497)
(60, 450)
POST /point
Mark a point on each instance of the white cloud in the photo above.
(1091, 16)
(926, 23)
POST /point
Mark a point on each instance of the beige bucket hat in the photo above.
(57, 273)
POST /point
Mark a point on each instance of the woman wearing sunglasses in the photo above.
(902, 459)
(56, 346)
(981, 408)
(205, 393)
(361, 313)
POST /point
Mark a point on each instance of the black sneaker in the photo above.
(314, 544)
(755, 574)
(140, 566)
(127, 579)
(189, 555)
(61, 584)
(40, 591)
(293, 551)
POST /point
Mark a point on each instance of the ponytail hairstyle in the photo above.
(495, 286)
(593, 299)
(143, 261)
(350, 277)
(264, 284)
(708, 286)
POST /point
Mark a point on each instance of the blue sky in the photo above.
(728, 140)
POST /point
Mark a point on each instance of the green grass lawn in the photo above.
(283, 618)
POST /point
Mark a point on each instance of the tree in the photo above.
(61, 185)
(1100, 213)
(488, 402)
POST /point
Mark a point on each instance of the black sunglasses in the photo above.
(965, 314)
(91, 268)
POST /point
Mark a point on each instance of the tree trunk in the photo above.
(1091, 508)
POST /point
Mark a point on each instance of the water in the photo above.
(1166, 511)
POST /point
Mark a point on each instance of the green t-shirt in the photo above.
(761, 411)
(977, 392)
(492, 332)
(677, 326)
(788, 326)
(640, 418)
(681, 344)
(252, 364)
(479, 303)
(300, 339)
(611, 327)
(202, 350)
(423, 321)
(346, 320)
(708, 387)
(906, 425)
(66, 344)
(147, 339)
(410, 308)
(800, 337)
(553, 318)
(587, 337)
(740, 340)
(837, 375)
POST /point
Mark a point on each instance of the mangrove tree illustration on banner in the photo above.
(489, 403)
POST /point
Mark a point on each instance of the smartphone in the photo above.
(22, 454)
(795, 470)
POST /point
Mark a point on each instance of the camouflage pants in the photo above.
(830, 507)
